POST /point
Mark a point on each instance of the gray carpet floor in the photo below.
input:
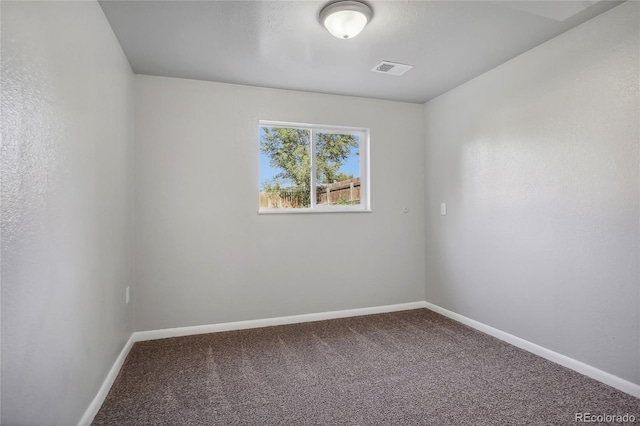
(405, 368)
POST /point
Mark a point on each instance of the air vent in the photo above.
(391, 68)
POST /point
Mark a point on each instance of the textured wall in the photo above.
(538, 162)
(204, 255)
(67, 208)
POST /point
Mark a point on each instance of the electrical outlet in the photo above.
(443, 209)
(127, 295)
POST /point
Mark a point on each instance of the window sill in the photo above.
(310, 211)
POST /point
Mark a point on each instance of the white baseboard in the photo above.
(95, 405)
(582, 368)
(140, 336)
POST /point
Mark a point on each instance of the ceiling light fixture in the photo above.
(345, 19)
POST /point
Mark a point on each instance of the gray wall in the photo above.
(205, 256)
(67, 208)
(538, 162)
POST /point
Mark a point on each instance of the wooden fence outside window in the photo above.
(343, 192)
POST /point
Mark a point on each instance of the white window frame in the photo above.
(365, 194)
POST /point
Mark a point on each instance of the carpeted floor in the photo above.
(404, 368)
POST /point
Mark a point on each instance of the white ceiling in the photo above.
(281, 44)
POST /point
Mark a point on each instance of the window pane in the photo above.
(337, 169)
(285, 163)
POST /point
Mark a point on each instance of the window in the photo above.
(309, 168)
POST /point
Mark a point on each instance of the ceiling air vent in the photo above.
(391, 68)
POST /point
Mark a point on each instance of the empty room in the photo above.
(320, 212)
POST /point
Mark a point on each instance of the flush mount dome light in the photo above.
(345, 19)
